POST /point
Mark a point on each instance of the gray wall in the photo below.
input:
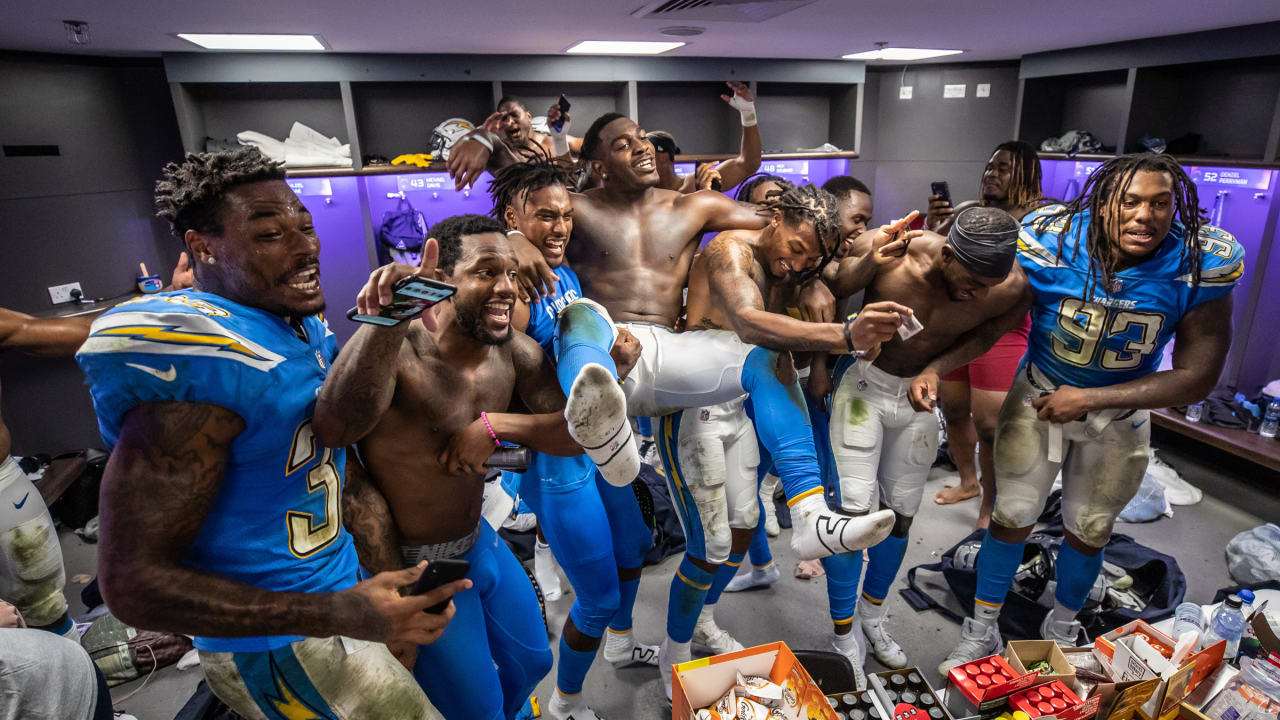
(84, 215)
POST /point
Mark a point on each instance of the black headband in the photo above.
(987, 254)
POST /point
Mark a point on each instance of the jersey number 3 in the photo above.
(1084, 322)
(306, 536)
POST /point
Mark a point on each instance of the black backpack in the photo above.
(1157, 577)
(401, 234)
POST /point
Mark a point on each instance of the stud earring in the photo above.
(211, 260)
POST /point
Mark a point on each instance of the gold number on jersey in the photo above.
(1084, 322)
(305, 535)
(1071, 313)
(1213, 246)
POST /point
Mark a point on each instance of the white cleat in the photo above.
(754, 578)
(856, 656)
(563, 708)
(882, 645)
(622, 650)
(544, 571)
(597, 414)
(817, 531)
(767, 488)
(669, 655)
(711, 637)
(976, 641)
(1065, 634)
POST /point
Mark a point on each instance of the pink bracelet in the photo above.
(485, 418)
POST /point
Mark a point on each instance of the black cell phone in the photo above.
(941, 189)
(409, 297)
(437, 573)
(511, 459)
(564, 110)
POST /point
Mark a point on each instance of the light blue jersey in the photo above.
(1119, 333)
(276, 522)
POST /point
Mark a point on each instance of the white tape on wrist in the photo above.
(748, 115)
(483, 141)
(560, 142)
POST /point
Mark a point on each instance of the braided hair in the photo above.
(808, 203)
(1025, 180)
(189, 194)
(748, 186)
(514, 183)
(1101, 196)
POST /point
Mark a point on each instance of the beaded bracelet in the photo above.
(485, 418)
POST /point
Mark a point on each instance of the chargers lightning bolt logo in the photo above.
(171, 335)
(285, 701)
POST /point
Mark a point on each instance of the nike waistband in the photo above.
(414, 554)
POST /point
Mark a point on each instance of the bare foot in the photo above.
(809, 569)
(947, 496)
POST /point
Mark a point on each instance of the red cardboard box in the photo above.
(699, 683)
(1056, 699)
(982, 687)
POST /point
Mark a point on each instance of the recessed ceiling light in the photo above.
(896, 53)
(623, 47)
(240, 41)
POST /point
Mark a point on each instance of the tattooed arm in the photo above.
(366, 516)
(163, 476)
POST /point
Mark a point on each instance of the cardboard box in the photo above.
(699, 683)
(1120, 701)
(1056, 699)
(1129, 649)
(969, 696)
(1021, 653)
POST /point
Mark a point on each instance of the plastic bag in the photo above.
(1254, 693)
(1177, 490)
(1149, 503)
(1253, 556)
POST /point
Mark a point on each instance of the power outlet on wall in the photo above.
(904, 92)
(62, 293)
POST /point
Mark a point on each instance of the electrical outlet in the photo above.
(904, 92)
(62, 293)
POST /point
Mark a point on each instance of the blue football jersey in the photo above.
(1120, 333)
(276, 522)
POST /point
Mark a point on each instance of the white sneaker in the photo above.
(622, 650)
(669, 655)
(597, 415)
(544, 571)
(976, 641)
(856, 655)
(767, 488)
(562, 708)
(817, 532)
(754, 578)
(711, 637)
(1065, 634)
(882, 645)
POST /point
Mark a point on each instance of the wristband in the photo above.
(560, 143)
(848, 337)
(483, 141)
(748, 114)
(484, 417)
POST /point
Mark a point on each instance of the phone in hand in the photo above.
(437, 573)
(564, 110)
(941, 189)
(409, 297)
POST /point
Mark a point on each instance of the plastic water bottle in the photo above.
(1195, 411)
(1271, 422)
(1187, 618)
(1227, 624)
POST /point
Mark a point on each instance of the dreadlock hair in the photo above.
(591, 141)
(189, 194)
(808, 203)
(450, 231)
(514, 183)
(1025, 181)
(749, 185)
(1101, 196)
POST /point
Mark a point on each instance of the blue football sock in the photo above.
(645, 426)
(723, 576)
(583, 336)
(688, 594)
(761, 556)
(1076, 573)
(572, 667)
(782, 424)
(843, 574)
(884, 561)
(997, 564)
(627, 590)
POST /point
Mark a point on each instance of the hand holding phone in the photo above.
(563, 104)
(941, 190)
(437, 573)
(380, 290)
(410, 296)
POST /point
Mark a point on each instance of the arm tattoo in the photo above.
(367, 517)
(359, 387)
(163, 476)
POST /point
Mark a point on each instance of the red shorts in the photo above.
(995, 369)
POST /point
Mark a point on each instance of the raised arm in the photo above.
(163, 477)
(52, 337)
(868, 253)
(736, 169)
(923, 394)
(1203, 338)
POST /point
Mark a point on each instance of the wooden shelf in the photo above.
(1250, 446)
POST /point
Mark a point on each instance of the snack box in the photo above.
(905, 687)
(1023, 653)
(1125, 650)
(699, 683)
(1056, 699)
(982, 687)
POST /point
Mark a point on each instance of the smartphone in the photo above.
(409, 297)
(941, 189)
(512, 459)
(437, 573)
(564, 110)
